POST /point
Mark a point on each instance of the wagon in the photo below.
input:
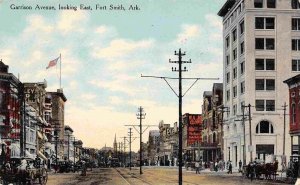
(11, 173)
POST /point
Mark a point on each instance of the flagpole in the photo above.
(60, 72)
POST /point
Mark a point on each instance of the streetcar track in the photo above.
(131, 176)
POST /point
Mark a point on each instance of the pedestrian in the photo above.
(216, 166)
(197, 166)
(229, 168)
(240, 166)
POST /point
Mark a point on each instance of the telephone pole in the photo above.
(180, 96)
(284, 113)
(130, 135)
(140, 115)
(250, 132)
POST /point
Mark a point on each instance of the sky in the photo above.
(104, 53)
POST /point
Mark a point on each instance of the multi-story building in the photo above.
(211, 145)
(153, 146)
(168, 146)
(191, 139)
(294, 121)
(35, 94)
(261, 49)
(58, 100)
(69, 148)
(11, 96)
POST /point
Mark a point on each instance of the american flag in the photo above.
(52, 63)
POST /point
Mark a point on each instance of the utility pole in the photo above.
(250, 132)
(222, 134)
(244, 127)
(284, 113)
(130, 135)
(141, 115)
(180, 96)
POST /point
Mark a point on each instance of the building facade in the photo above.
(212, 137)
(261, 49)
(192, 131)
(168, 146)
(58, 100)
(153, 147)
(294, 121)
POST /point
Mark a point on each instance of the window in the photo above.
(293, 113)
(270, 84)
(295, 4)
(296, 24)
(264, 127)
(259, 23)
(270, 105)
(270, 22)
(259, 84)
(234, 35)
(260, 105)
(242, 87)
(259, 64)
(242, 27)
(234, 73)
(227, 60)
(296, 44)
(234, 54)
(227, 77)
(258, 3)
(271, 3)
(242, 67)
(265, 84)
(295, 65)
(242, 48)
(260, 43)
(270, 44)
(227, 41)
(270, 64)
(228, 95)
(234, 91)
(264, 64)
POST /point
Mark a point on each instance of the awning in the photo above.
(39, 153)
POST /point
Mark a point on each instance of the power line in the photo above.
(180, 96)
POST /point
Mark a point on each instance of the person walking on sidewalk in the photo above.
(229, 168)
(197, 166)
(240, 166)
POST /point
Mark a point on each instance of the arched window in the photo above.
(264, 127)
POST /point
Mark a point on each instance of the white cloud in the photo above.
(72, 21)
(115, 100)
(188, 32)
(122, 48)
(88, 96)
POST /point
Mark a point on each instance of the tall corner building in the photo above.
(261, 49)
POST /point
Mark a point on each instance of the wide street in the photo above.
(154, 176)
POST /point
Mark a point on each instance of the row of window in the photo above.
(260, 3)
(234, 14)
(235, 91)
(234, 71)
(295, 4)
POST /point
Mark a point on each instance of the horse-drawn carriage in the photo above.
(23, 171)
(255, 170)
